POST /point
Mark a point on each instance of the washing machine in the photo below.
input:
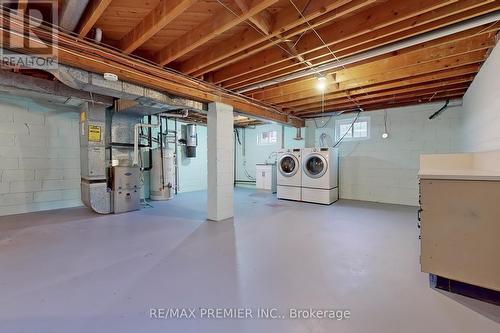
(320, 175)
(289, 174)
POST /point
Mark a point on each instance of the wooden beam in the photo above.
(284, 21)
(93, 12)
(366, 42)
(385, 105)
(361, 97)
(262, 20)
(433, 80)
(312, 94)
(389, 101)
(221, 22)
(391, 74)
(164, 13)
(398, 61)
(22, 5)
(428, 67)
(99, 59)
(392, 11)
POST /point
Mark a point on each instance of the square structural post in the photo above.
(220, 161)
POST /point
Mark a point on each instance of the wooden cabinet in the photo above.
(460, 230)
(460, 218)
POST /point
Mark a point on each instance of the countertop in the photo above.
(457, 174)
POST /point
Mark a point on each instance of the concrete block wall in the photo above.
(39, 156)
(385, 170)
(481, 126)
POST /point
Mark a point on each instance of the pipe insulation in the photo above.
(423, 38)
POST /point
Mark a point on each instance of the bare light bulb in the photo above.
(321, 84)
(385, 135)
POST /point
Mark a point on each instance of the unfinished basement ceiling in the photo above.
(239, 44)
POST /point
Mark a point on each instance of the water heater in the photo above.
(191, 140)
(162, 181)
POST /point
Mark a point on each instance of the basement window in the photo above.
(267, 138)
(360, 130)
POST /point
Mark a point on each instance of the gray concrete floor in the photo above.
(73, 271)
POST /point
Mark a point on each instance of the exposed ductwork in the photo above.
(94, 187)
(132, 98)
(184, 114)
(71, 13)
(423, 38)
(48, 90)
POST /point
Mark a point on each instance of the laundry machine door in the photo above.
(288, 165)
(315, 166)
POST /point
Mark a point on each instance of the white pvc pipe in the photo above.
(439, 33)
(98, 35)
(136, 140)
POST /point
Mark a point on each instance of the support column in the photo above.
(220, 161)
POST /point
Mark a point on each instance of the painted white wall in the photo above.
(386, 170)
(39, 156)
(261, 153)
(193, 171)
(481, 126)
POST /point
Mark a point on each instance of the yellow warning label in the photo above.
(94, 133)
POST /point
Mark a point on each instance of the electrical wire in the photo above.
(245, 171)
(350, 128)
(301, 60)
(353, 100)
(385, 121)
(78, 40)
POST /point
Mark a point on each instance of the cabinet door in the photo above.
(259, 180)
(267, 180)
(460, 231)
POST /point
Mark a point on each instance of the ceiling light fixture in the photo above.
(321, 83)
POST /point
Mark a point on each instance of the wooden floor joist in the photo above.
(364, 93)
(403, 91)
(370, 19)
(388, 101)
(94, 11)
(164, 13)
(270, 63)
(269, 48)
(283, 21)
(347, 48)
(304, 97)
(223, 21)
(386, 73)
(100, 60)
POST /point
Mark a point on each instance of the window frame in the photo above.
(349, 121)
(260, 142)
